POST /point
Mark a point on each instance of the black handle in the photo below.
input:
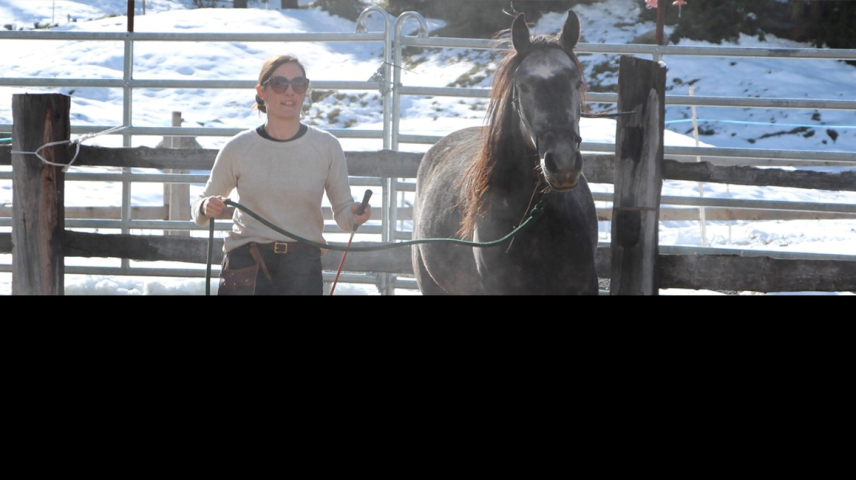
(366, 198)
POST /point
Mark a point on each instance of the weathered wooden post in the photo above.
(38, 218)
(177, 195)
(638, 177)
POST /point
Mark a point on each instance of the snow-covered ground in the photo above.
(614, 22)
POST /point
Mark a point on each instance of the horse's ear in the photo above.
(520, 34)
(570, 34)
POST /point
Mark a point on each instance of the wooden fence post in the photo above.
(38, 217)
(638, 177)
(177, 195)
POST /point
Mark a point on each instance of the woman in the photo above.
(281, 171)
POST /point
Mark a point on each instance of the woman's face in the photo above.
(285, 104)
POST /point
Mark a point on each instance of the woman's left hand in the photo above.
(361, 219)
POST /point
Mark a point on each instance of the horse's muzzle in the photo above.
(562, 172)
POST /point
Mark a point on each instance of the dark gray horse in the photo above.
(478, 184)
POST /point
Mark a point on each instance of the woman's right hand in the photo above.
(213, 206)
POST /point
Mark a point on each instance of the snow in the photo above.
(612, 22)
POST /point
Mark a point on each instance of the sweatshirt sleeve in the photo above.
(338, 188)
(222, 181)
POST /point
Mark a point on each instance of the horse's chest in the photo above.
(534, 247)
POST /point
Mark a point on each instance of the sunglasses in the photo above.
(280, 84)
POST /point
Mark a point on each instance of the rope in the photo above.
(76, 141)
(531, 197)
(536, 212)
(604, 115)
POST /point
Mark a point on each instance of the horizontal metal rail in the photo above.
(446, 92)
(706, 153)
(442, 42)
(700, 51)
(844, 158)
(222, 225)
(778, 205)
(191, 37)
(172, 83)
(205, 132)
(641, 49)
(220, 132)
(179, 225)
(191, 178)
(685, 100)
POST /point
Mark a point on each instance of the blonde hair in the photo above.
(270, 65)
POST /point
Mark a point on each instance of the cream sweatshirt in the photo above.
(283, 182)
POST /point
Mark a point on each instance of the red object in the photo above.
(363, 205)
(339, 271)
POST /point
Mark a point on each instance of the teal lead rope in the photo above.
(536, 212)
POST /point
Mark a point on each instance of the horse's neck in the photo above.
(514, 180)
(516, 169)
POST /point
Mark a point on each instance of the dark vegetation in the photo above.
(480, 18)
(823, 23)
(827, 23)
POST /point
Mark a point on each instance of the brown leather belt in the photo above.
(285, 247)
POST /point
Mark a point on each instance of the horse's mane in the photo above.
(501, 129)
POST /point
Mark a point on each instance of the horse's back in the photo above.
(442, 267)
(450, 155)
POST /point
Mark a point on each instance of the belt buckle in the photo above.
(280, 247)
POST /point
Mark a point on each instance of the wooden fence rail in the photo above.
(701, 272)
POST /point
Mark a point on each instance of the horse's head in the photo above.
(547, 98)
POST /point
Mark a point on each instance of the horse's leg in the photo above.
(426, 283)
(444, 269)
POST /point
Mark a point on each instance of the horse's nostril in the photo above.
(549, 163)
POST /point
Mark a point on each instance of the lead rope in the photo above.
(524, 212)
(536, 212)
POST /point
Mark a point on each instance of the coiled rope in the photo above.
(76, 141)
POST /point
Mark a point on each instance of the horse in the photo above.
(479, 183)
